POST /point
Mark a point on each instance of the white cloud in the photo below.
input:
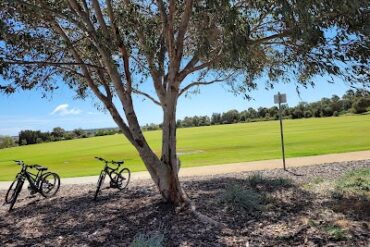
(64, 110)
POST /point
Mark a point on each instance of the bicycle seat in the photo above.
(41, 168)
(119, 162)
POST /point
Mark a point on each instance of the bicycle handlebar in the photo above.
(21, 163)
(101, 159)
(111, 162)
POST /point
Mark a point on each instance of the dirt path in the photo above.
(235, 167)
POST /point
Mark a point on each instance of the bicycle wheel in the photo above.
(50, 183)
(122, 178)
(15, 192)
(11, 191)
(99, 185)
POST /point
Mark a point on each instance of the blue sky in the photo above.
(28, 110)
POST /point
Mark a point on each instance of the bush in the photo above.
(360, 105)
(297, 113)
(148, 240)
(335, 114)
(257, 179)
(6, 142)
(307, 114)
(79, 133)
(327, 111)
(239, 198)
(69, 136)
(335, 232)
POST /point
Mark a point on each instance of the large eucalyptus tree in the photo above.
(111, 48)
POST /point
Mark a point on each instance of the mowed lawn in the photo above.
(200, 146)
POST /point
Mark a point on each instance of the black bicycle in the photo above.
(46, 183)
(118, 179)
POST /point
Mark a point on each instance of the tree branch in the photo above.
(271, 37)
(51, 63)
(152, 68)
(203, 83)
(106, 101)
(183, 28)
(136, 91)
(167, 21)
(191, 66)
(100, 17)
(122, 48)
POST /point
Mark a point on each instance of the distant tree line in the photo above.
(353, 101)
(7, 142)
(28, 137)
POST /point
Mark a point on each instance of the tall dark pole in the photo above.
(281, 131)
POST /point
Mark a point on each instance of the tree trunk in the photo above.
(165, 176)
(170, 187)
(164, 171)
(168, 183)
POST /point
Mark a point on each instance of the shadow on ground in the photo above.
(73, 218)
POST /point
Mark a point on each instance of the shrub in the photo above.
(357, 181)
(69, 136)
(255, 179)
(282, 182)
(335, 232)
(258, 179)
(239, 198)
(307, 114)
(360, 105)
(317, 180)
(297, 113)
(148, 240)
(6, 142)
(327, 111)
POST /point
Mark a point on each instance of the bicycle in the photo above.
(118, 180)
(47, 184)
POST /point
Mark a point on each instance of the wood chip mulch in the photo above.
(292, 214)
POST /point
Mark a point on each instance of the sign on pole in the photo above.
(280, 99)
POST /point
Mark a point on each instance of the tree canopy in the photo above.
(273, 38)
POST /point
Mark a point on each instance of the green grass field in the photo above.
(200, 146)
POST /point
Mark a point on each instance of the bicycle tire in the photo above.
(17, 190)
(46, 188)
(100, 183)
(11, 191)
(122, 178)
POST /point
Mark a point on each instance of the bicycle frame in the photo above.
(109, 170)
(33, 179)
